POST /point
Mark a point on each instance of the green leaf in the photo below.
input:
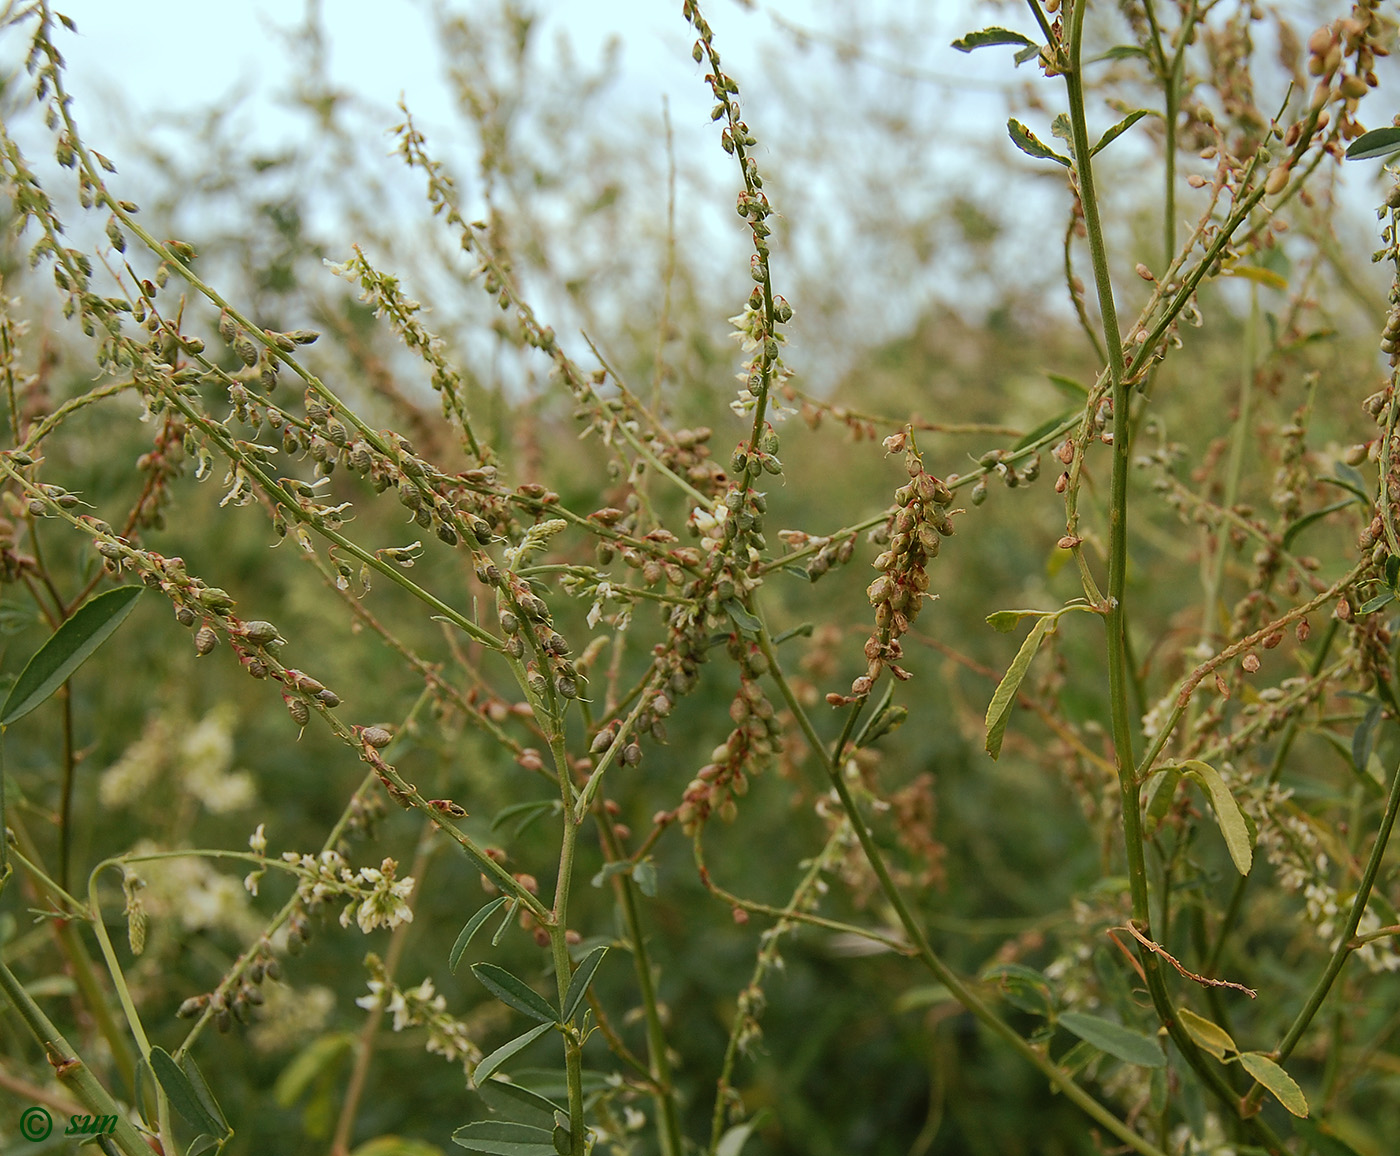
(1118, 52)
(924, 996)
(531, 811)
(644, 876)
(583, 976)
(989, 37)
(1320, 1134)
(1116, 1040)
(1364, 737)
(182, 1095)
(396, 1146)
(202, 1092)
(746, 622)
(1228, 815)
(1119, 129)
(518, 1103)
(1350, 479)
(1022, 987)
(1209, 1036)
(1298, 525)
(1005, 621)
(1031, 145)
(999, 710)
(489, 1065)
(454, 957)
(1067, 385)
(1030, 52)
(1276, 1080)
(67, 649)
(1042, 429)
(316, 1058)
(1379, 142)
(1371, 605)
(503, 1138)
(1159, 798)
(514, 992)
(608, 870)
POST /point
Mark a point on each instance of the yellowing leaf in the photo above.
(1259, 276)
(1276, 1080)
(1227, 812)
(1210, 1036)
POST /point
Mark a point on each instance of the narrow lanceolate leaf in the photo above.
(182, 1095)
(578, 986)
(1210, 1036)
(1116, 1040)
(1276, 1080)
(1227, 812)
(999, 710)
(988, 37)
(1119, 129)
(514, 992)
(1031, 145)
(67, 649)
(1379, 142)
(518, 1103)
(203, 1093)
(491, 1063)
(473, 926)
(500, 1138)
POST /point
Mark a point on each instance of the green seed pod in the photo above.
(423, 517)
(228, 329)
(185, 616)
(260, 633)
(447, 534)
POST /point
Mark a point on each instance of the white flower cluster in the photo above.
(377, 898)
(1301, 865)
(421, 1006)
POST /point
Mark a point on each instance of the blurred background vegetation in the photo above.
(917, 293)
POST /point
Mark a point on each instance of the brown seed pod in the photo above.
(205, 640)
(377, 737)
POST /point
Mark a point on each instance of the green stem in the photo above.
(961, 991)
(70, 1070)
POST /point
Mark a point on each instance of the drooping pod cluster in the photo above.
(921, 520)
(750, 747)
(536, 635)
(235, 998)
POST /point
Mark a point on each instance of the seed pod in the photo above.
(447, 534)
(260, 633)
(228, 330)
(205, 640)
(185, 616)
(192, 1007)
(247, 351)
(631, 755)
(329, 698)
(300, 712)
(377, 737)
